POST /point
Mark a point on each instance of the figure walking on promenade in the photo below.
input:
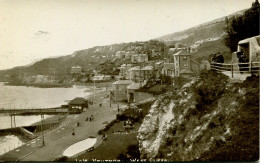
(73, 132)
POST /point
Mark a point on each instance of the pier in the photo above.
(49, 111)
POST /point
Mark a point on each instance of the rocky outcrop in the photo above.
(155, 126)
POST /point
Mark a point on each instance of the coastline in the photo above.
(59, 85)
(40, 85)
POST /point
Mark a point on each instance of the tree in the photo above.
(255, 4)
(243, 26)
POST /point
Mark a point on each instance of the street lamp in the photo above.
(42, 118)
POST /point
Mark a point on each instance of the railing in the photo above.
(251, 67)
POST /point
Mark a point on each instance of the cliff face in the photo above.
(155, 126)
(176, 128)
(160, 119)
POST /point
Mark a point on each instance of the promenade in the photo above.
(57, 140)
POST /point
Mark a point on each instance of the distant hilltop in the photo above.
(211, 29)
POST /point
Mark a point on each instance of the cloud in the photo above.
(40, 33)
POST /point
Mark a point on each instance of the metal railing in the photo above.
(250, 67)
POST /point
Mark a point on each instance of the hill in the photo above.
(212, 29)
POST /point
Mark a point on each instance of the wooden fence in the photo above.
(251, 67)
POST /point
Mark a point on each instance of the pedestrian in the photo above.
(243, 60)
(220, 58)
(78, 124)
(87, 119)
(214, 57)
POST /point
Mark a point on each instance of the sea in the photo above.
(24, 97)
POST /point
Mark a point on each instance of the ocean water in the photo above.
(30, 97)
(9, 142)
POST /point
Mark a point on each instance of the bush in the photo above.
(123, 157)
(208, 89)
(100, 132)
(180, 81)
(157, 89)
(61, 159)
(166, 79)
(133, 151)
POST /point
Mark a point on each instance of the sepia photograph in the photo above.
(129, 80)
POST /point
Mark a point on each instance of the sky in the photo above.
(34, 29)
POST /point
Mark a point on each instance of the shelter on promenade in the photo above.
(78, 105)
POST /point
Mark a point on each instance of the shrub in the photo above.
(61, 159)
(107, 126)
(157, 89)
(133, 151)
(180, 81)
(208, 89)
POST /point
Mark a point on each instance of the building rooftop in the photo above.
(250, 39)
(169, 66)
(134, 69)
(148, 68)
(134, 86)
(78, 101)
(186, 72)
(76, 67)
(122, 82)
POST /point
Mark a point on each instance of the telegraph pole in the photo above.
(94, 90)
(42, 118)
(11, 121)
(14, 118)
(110, 99)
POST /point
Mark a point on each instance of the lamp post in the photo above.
(42, 118)
(94, 91)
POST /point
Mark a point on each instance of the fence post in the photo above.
(251, 68)
(232, 72)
